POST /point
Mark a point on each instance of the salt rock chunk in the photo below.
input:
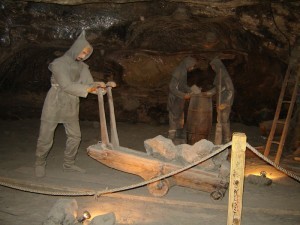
(203, 147)
(160, 146)
(64, 212)
(191, 154)
(221, 157)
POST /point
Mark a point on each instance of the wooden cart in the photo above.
(147, 167)
(131, 161)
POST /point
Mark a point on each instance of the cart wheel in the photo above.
(159, 188)
(218, 194)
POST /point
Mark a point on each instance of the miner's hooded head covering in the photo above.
(78, 46)
(217, 64)
(189, 62)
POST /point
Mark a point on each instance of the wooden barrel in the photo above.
(199, 118)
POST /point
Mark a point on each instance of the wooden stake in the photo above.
(236, 184)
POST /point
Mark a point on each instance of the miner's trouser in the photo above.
(224, 116)
(45, 141)
(176, 116)
(176, 123)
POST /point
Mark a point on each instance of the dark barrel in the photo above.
(199, 118)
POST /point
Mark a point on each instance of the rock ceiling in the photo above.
(139, 42)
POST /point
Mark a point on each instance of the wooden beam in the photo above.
(236, 183)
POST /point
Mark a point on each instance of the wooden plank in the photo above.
(236, 183)
(202, 205)
(129, 163)
(103, 126)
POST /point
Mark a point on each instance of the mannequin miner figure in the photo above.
(71, 79)
(225, 96)
(179, 91)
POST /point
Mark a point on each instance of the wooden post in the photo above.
(236, 184)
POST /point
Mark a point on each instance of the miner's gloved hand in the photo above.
(222, 106)
(187, 96)
(95, 86)
(111, 84)
(211, 92)
(99, 84)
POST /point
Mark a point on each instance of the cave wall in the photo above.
(139, 43)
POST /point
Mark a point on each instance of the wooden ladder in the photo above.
(290, 79)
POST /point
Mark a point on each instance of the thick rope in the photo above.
(40, 189)
(272, 163)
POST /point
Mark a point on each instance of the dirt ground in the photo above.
(276, 204)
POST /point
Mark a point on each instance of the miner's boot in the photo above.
(69, 166)
(172, 134)
(181, 134)
(40, 167)
(73, 168)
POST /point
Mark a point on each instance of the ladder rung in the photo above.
(281, 121)
(286, 101)
(275, 142)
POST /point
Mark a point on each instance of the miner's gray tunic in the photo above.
(70, 80)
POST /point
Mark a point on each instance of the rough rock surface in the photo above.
(138, 44)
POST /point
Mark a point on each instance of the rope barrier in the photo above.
(38, 188)
(290, 174)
